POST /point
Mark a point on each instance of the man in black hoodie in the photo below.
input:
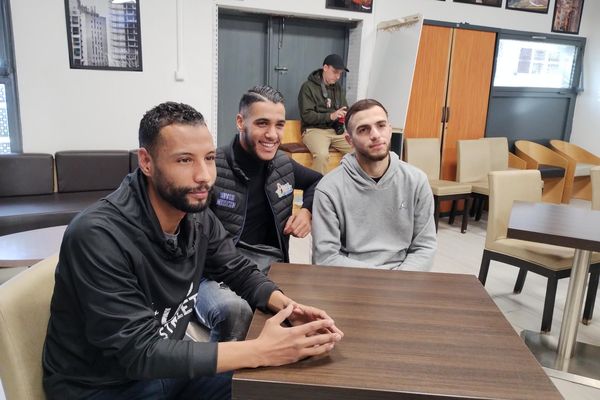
(127, 279)
(322, 103)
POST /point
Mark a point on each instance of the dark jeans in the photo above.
(216, 387)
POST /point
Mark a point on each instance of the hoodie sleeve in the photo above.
(224, 263)
(308, 108)
(421, 251)
(117, 317)
(326, 231)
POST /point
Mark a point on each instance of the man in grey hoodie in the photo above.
(373, 210)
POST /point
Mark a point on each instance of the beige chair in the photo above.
(553, 262)
(552, 166)
(577, 179)
(425, 155)
(588, 310)
(500, 158)
(473, 163)
(24, 314)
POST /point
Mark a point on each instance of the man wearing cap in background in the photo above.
(322, 103)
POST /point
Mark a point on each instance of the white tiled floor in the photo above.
(461, 253)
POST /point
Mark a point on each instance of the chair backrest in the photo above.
(472, 160)
(505, 188)
(573, 152)
(26, 174)
(24, 315)
(498, 153)
(133, 160)
(595, 176)
(535, 154)
(424, 154)
(292, 132)
(81, 171)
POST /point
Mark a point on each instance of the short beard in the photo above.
(250, 146)
(378, 157)
(176, 196)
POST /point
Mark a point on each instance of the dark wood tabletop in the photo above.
(408, 335)
(561, 225)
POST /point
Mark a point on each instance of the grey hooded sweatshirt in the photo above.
(358, 222)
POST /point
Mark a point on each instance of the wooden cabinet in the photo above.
(451, 87)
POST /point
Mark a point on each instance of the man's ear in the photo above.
(348, 139)
(239, 122)
(145, 161)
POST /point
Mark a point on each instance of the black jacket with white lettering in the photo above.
(123, 295)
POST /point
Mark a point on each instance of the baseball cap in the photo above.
(335, 61)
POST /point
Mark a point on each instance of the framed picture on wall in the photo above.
(491, 3)
(537, 6)
(350, 5)
(104, 34)
(567, 16)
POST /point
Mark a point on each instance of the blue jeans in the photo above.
(226, 314)
(216, 387)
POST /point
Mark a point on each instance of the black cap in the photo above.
(335, 61)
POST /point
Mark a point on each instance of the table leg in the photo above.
(573, 305)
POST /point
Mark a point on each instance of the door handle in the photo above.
(281, 68)
(443, 114)
(447, 114)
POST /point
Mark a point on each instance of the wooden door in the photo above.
(428, 93)
(468, 92)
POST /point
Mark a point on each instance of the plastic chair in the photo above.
(577, 179)
(553, 168)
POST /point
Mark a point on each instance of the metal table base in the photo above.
(583, 368)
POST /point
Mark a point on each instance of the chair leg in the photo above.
(465, 216)
(474, 206)
(436, 211)
(452, 212)
(480, 206)
(484, 268)
(549, 305)
(590, 301)
(520, 281)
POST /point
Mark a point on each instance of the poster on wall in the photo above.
(104, 34)
(537, 6)
(350, 5)
(491, 3)
(567, 16)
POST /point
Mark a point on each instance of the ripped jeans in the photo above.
(221, 310)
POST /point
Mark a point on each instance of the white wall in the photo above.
(63, 108)
(586, 123)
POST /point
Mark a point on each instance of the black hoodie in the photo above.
(123, 295)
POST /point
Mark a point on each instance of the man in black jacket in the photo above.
(253, 199)
(128, 274)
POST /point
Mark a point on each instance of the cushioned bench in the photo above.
(27, 197)
(293, 146)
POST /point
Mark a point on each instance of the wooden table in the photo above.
(578, 228)
(408, 335)
(24, 249)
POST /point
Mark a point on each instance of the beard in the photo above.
(377, 156)
(177, 196)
